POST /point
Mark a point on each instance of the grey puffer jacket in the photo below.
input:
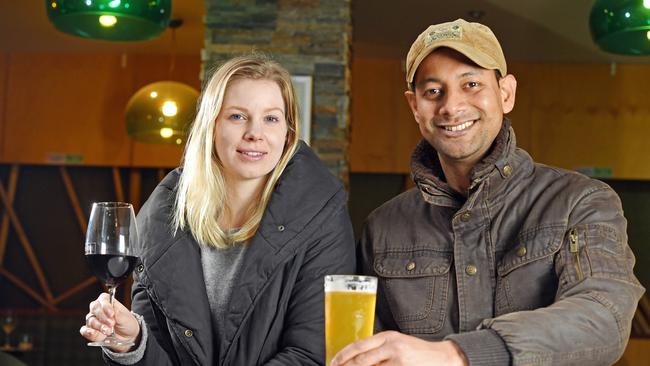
(532, 268)
(276, 314)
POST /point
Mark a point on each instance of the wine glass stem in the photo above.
(111, 291)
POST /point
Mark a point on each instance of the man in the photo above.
(492, 259)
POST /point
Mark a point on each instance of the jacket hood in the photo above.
(303, 189)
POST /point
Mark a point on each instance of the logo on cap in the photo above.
(453, 32)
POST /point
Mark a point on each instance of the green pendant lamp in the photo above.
(621, 26)
(112, 20)
(161, 112)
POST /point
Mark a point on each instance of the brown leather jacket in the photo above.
(533, 267)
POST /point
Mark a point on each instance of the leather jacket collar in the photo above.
(428, 175)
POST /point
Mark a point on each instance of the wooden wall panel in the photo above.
(3, 95)
(72, 105)
(383, 131)
(637, 352)
(585, 116)
(66, 104)
(520, 115)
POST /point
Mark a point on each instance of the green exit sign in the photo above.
(596, 171)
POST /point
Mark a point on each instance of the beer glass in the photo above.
(349, 310)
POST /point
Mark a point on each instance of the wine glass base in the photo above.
(108, 342)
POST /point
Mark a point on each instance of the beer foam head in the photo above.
(350, 283)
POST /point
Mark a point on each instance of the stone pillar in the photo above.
(308, 37)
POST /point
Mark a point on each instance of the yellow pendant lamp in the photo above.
(161, 112)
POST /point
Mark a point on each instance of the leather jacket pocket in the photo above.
(416, 287)
(526, 272)
(596, 250)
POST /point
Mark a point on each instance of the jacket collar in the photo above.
(428, 175)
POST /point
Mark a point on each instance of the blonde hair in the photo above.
(201, 191)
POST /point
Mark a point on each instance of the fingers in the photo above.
(367, 351)
(91, 334)
(101, 314)
(375, 356)
(106, 318)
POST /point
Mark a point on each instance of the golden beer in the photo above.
(349, 311)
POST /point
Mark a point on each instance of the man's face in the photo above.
(459, 106)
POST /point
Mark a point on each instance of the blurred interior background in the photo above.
(64, 141)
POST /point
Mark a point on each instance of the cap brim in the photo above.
(478, 57)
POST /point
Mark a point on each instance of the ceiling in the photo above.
(529, 30)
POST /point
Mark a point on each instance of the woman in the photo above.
(234, 245)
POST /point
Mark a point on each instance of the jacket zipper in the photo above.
(573, 248)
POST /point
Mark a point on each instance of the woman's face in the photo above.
(251, 129)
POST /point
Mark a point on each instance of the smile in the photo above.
(252, 153)
(459, 127)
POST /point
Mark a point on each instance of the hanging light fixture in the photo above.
(113, 20)
(161, 112)
(621, 26)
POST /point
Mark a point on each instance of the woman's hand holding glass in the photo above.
(104, 318)
(111, 239)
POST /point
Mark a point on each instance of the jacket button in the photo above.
(465, 216)
(281, 228)
(521, 251)
(140, 268)
(188, 333)
(471, 270)
(410, 266)
(507, 170)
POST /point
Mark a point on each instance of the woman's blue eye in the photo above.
(237, 116)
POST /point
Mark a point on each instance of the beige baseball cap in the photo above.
(473, 40)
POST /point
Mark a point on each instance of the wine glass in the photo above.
(110, 244)
(8, 326)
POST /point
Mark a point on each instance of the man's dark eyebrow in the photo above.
(468, 73)
(429, 80)
(435, 80)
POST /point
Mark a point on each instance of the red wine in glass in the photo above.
(111, 241)
(111, 269)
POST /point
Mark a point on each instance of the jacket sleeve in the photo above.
(333, 252)
(589, 322)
